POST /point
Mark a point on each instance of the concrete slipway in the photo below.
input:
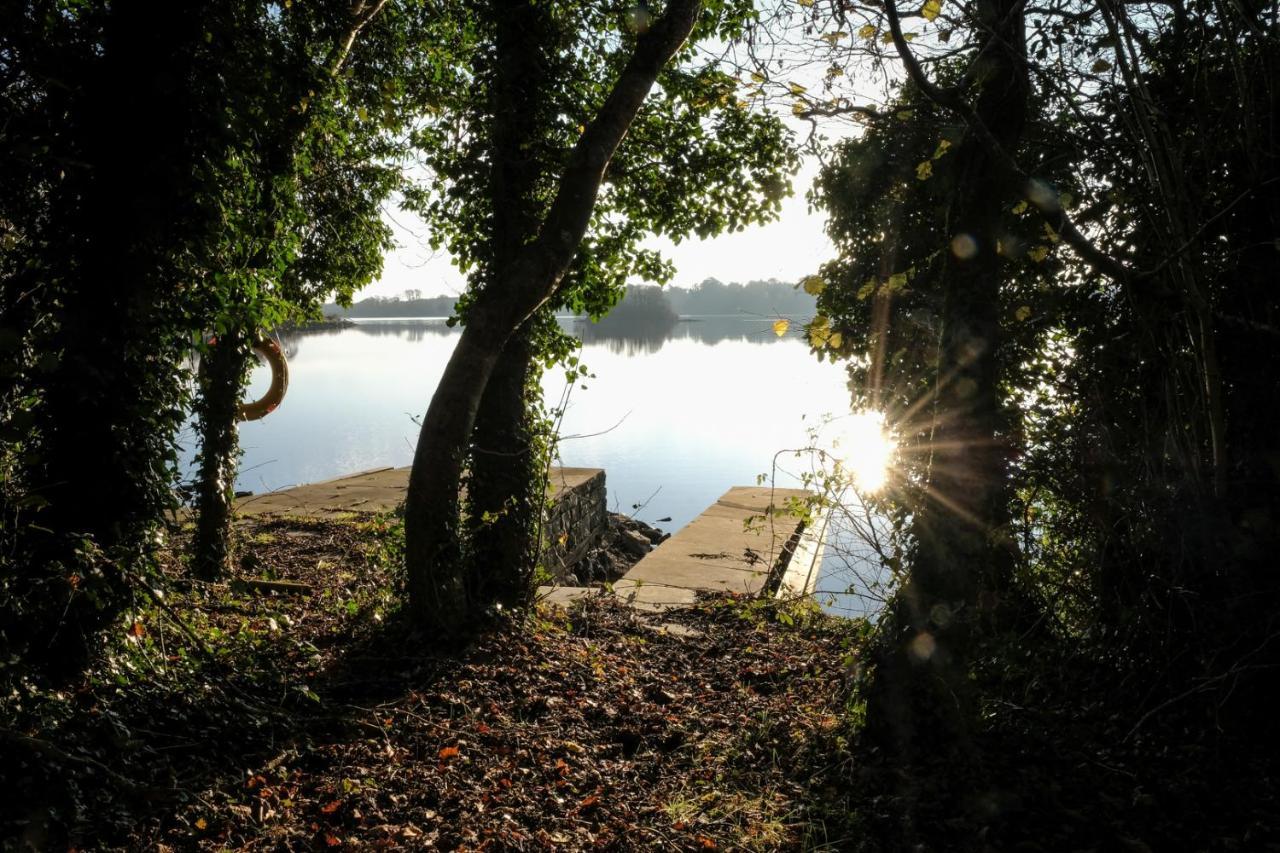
(733, 546)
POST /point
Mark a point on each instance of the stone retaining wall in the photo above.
(577, 519)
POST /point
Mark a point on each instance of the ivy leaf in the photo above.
(780, 327)
(931, 10)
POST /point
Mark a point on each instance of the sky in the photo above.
(788, 249)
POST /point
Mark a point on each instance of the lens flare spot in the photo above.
(964, 247)
(922, 646)
(639, 19)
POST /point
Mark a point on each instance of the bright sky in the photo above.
(788, 249)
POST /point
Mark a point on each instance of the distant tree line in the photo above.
(766, 298)
(408, 305)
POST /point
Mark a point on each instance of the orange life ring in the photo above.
(267, 403)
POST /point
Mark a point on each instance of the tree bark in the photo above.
(222, 373)
(962, 565)
(436, 585)
(505, 486)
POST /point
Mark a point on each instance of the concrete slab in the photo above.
(377, 490)
(563, 596)
(717, 551)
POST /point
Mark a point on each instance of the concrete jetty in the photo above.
(736, 545)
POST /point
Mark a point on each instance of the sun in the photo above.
(865, 449)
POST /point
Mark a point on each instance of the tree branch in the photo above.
(1048, 204)
(547, 258)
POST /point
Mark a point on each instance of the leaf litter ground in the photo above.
(301, 714)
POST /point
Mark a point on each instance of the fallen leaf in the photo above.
(448, 752)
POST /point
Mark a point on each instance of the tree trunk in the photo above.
(504, 489)
(962, 565)
(113, 399)
(433, 546)
(437, 577)
(222, 374)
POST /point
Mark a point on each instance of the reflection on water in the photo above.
(619, 339)
(675, 420)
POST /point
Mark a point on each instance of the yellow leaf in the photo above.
(780, 327)
(813, 284)
(1020, 207)
(797, 89)
(897, 281)
(908, 36)
(867, 32)
(931, 10)
(1050, 233)
(835, 340)
(1023, 312)
(799, 108)
(905, 114)
(202, 824)
(818, 336)
(832, 38)
(924, 171)
(887, 38)
(1038, 254)
(1066, 199)
(805, 3)
(757, 77)
(363, 113)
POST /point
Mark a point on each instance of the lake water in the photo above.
(675, 420)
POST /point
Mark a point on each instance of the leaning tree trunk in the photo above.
(963, 561)
(504, 489)
(222, 375)
(437, 575)
(433, 545)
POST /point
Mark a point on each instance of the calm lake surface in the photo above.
(674, 420)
